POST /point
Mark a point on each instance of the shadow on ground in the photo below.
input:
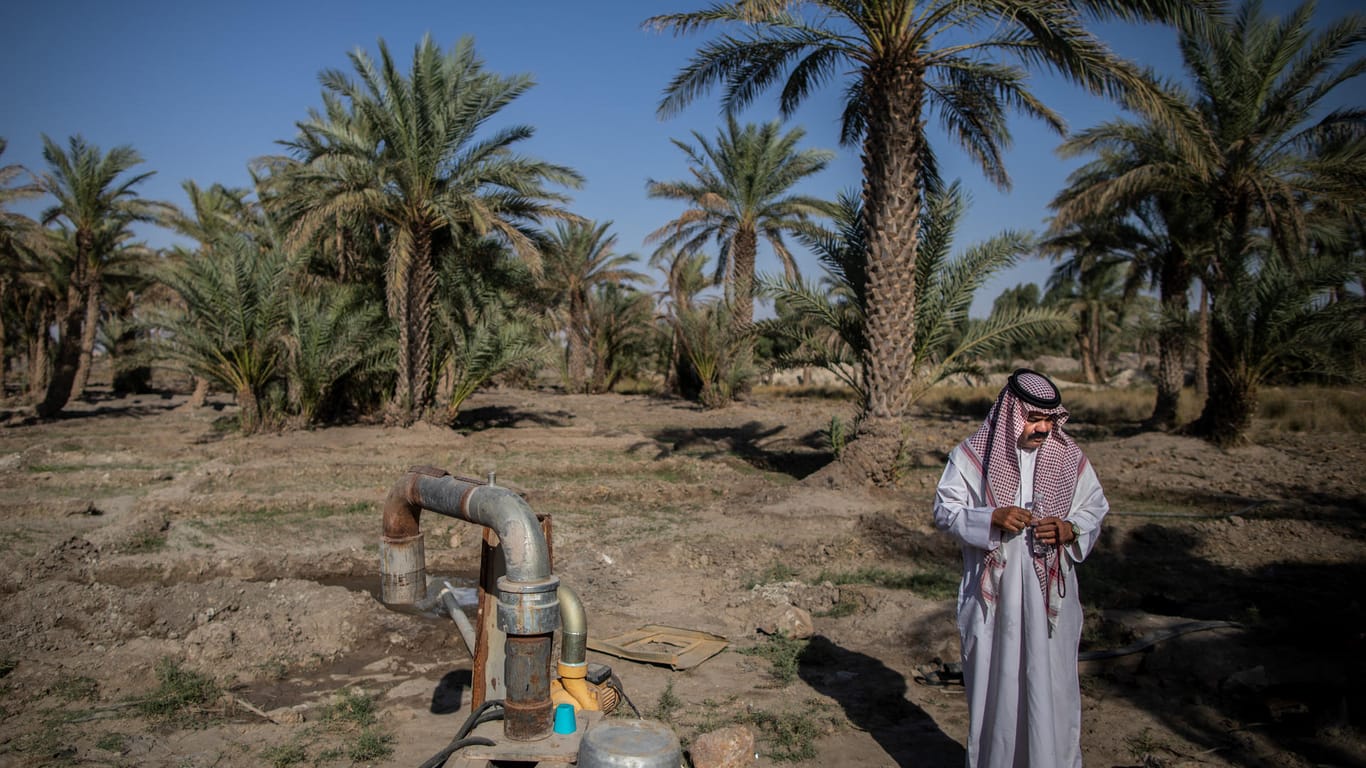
(1293, 675)
(757, 444)
(873, 697)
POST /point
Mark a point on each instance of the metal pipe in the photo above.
(457, 614)
(573, 627)
(527, 708)
(528, 609)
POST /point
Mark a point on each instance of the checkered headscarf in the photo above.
(1058, 465)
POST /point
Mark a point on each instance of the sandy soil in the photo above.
(136, 533)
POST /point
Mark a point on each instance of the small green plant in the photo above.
(8, 665)
(354, 707)
(1142, 747)
(285, 755)
(668, 704)
(775, 573)
(930, 583)
(840, 610)
(76, 688)
(371, 744)
(838, 436)
(145, 542)
(783, 654)
(182, 696)
(354, 714)
(113, 742)
(789, 736)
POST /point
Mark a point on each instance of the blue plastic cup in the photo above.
(564, 718)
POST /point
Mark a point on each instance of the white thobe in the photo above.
(1024, 700)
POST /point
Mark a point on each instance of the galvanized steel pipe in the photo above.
(528, 608)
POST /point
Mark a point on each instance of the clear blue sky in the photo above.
(200, 88)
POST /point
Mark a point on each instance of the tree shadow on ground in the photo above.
(873, 697)
(1291, 673)
(97, 405)
(754, 442)
(506, 417)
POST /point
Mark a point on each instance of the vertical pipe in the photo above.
(527, 707)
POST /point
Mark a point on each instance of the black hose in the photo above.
(622, 690)
(462, 739)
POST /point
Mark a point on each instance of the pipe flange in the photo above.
(528, 607)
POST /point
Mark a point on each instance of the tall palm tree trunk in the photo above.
(38, 356)
(1202, 346)
(1232, 399)
(88, 333)
(892, 195)
(745, 247)
(1085, 351)
(1174, 282)
(58, 391)
(576, 341)
(412, 395)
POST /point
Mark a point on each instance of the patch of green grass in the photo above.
(667, 705)
(776, 573)
(932, 584)
(49, 745)
(182, 696)
(783, 654)
(76, 688)
(840, 610)
(113, 742)
(145, 542)
(285, 755)
(354, 707)
(274, 669)
(370, 744)
(1142, 745)
(354, 714)
(790, 737)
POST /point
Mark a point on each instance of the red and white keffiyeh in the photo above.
(1058, 465)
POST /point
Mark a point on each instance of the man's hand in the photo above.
(1010, 519)
(1053, 530)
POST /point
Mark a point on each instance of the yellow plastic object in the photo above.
(573, 685)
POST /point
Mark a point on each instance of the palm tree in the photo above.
(1257, 146)
(1268, 155)
(216, 213)
(332, 334)
(230, 326)
(96, 201)
(480, 312)
(1090, 285)
(407, 155)
(1162, 229)
(621, 318)
(18, 234)
(579, 258)
(910, 61)
(740, 192)
(948, 343)
(684, 281)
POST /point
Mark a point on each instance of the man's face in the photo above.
(1036, 428)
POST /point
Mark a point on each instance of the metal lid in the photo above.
(630, 744)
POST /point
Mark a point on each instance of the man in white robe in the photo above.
(1026, 506)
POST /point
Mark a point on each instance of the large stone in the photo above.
(792, 621)
(731, 747)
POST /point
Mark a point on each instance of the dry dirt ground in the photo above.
(141, 542)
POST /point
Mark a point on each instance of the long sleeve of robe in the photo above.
(1024, 696)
